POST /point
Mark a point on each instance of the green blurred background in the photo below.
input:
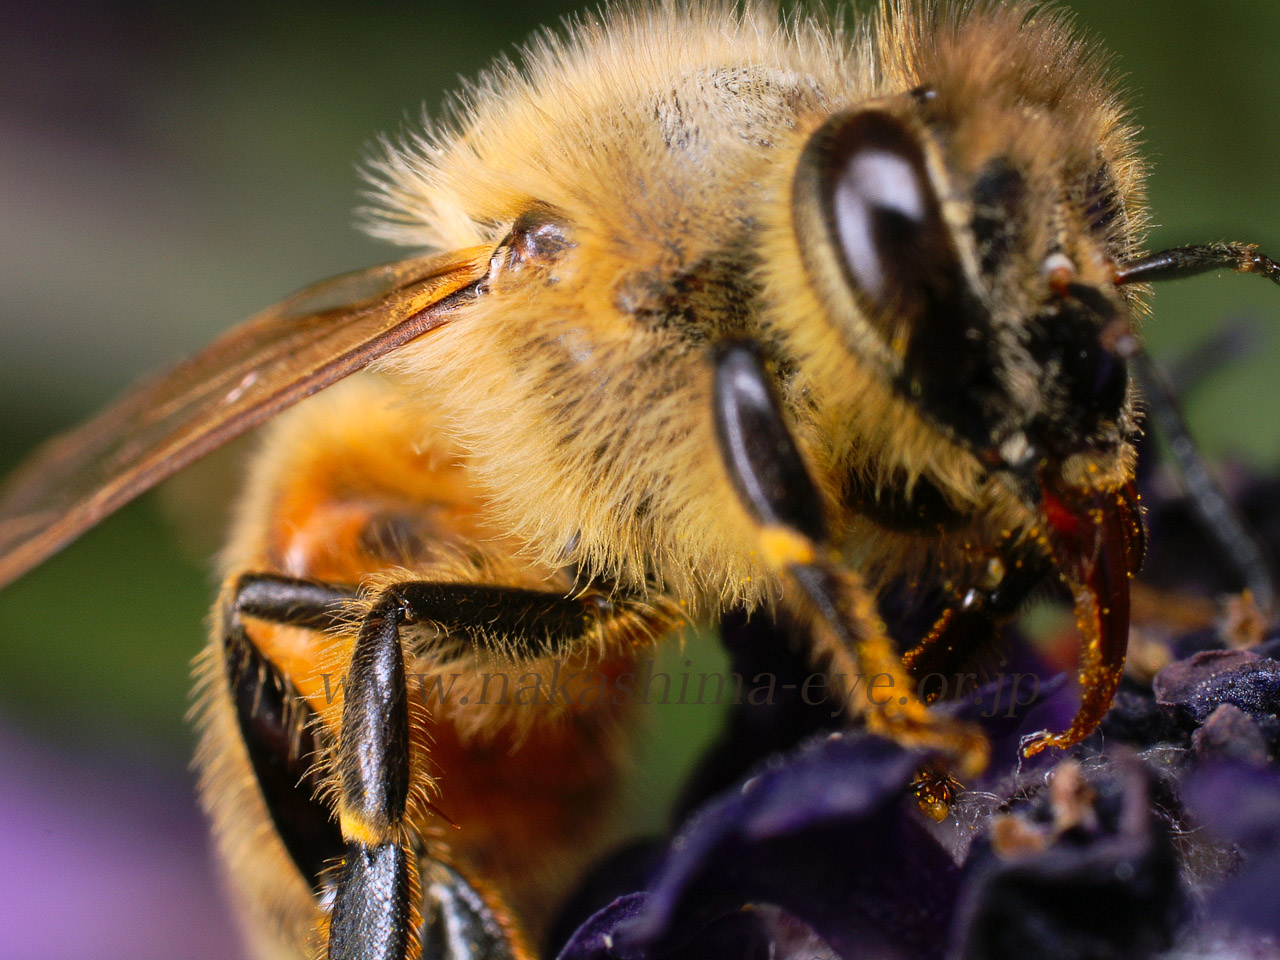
(166, 171)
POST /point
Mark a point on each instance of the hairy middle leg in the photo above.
(511, 790)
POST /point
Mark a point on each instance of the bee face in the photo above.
(965, 248)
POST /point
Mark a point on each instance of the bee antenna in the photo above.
(1197, 258)
(1207, 498)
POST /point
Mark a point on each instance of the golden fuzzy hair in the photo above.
(665, 135)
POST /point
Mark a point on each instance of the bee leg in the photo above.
(276, 725)
(512, 621)
(290, 601)
(773, 484)
(459, 924)
(1208, 499)
(372, 914)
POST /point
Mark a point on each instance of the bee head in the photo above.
(967, 256)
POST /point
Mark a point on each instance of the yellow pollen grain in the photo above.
(783, 548)
(357, 831)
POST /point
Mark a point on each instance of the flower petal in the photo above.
(830, 836)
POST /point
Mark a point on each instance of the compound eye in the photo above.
(884, 216)
(873, 237)
(881, 205)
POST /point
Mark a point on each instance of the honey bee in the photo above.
(717, 311)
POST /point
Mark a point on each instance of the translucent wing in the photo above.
(286, 353)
